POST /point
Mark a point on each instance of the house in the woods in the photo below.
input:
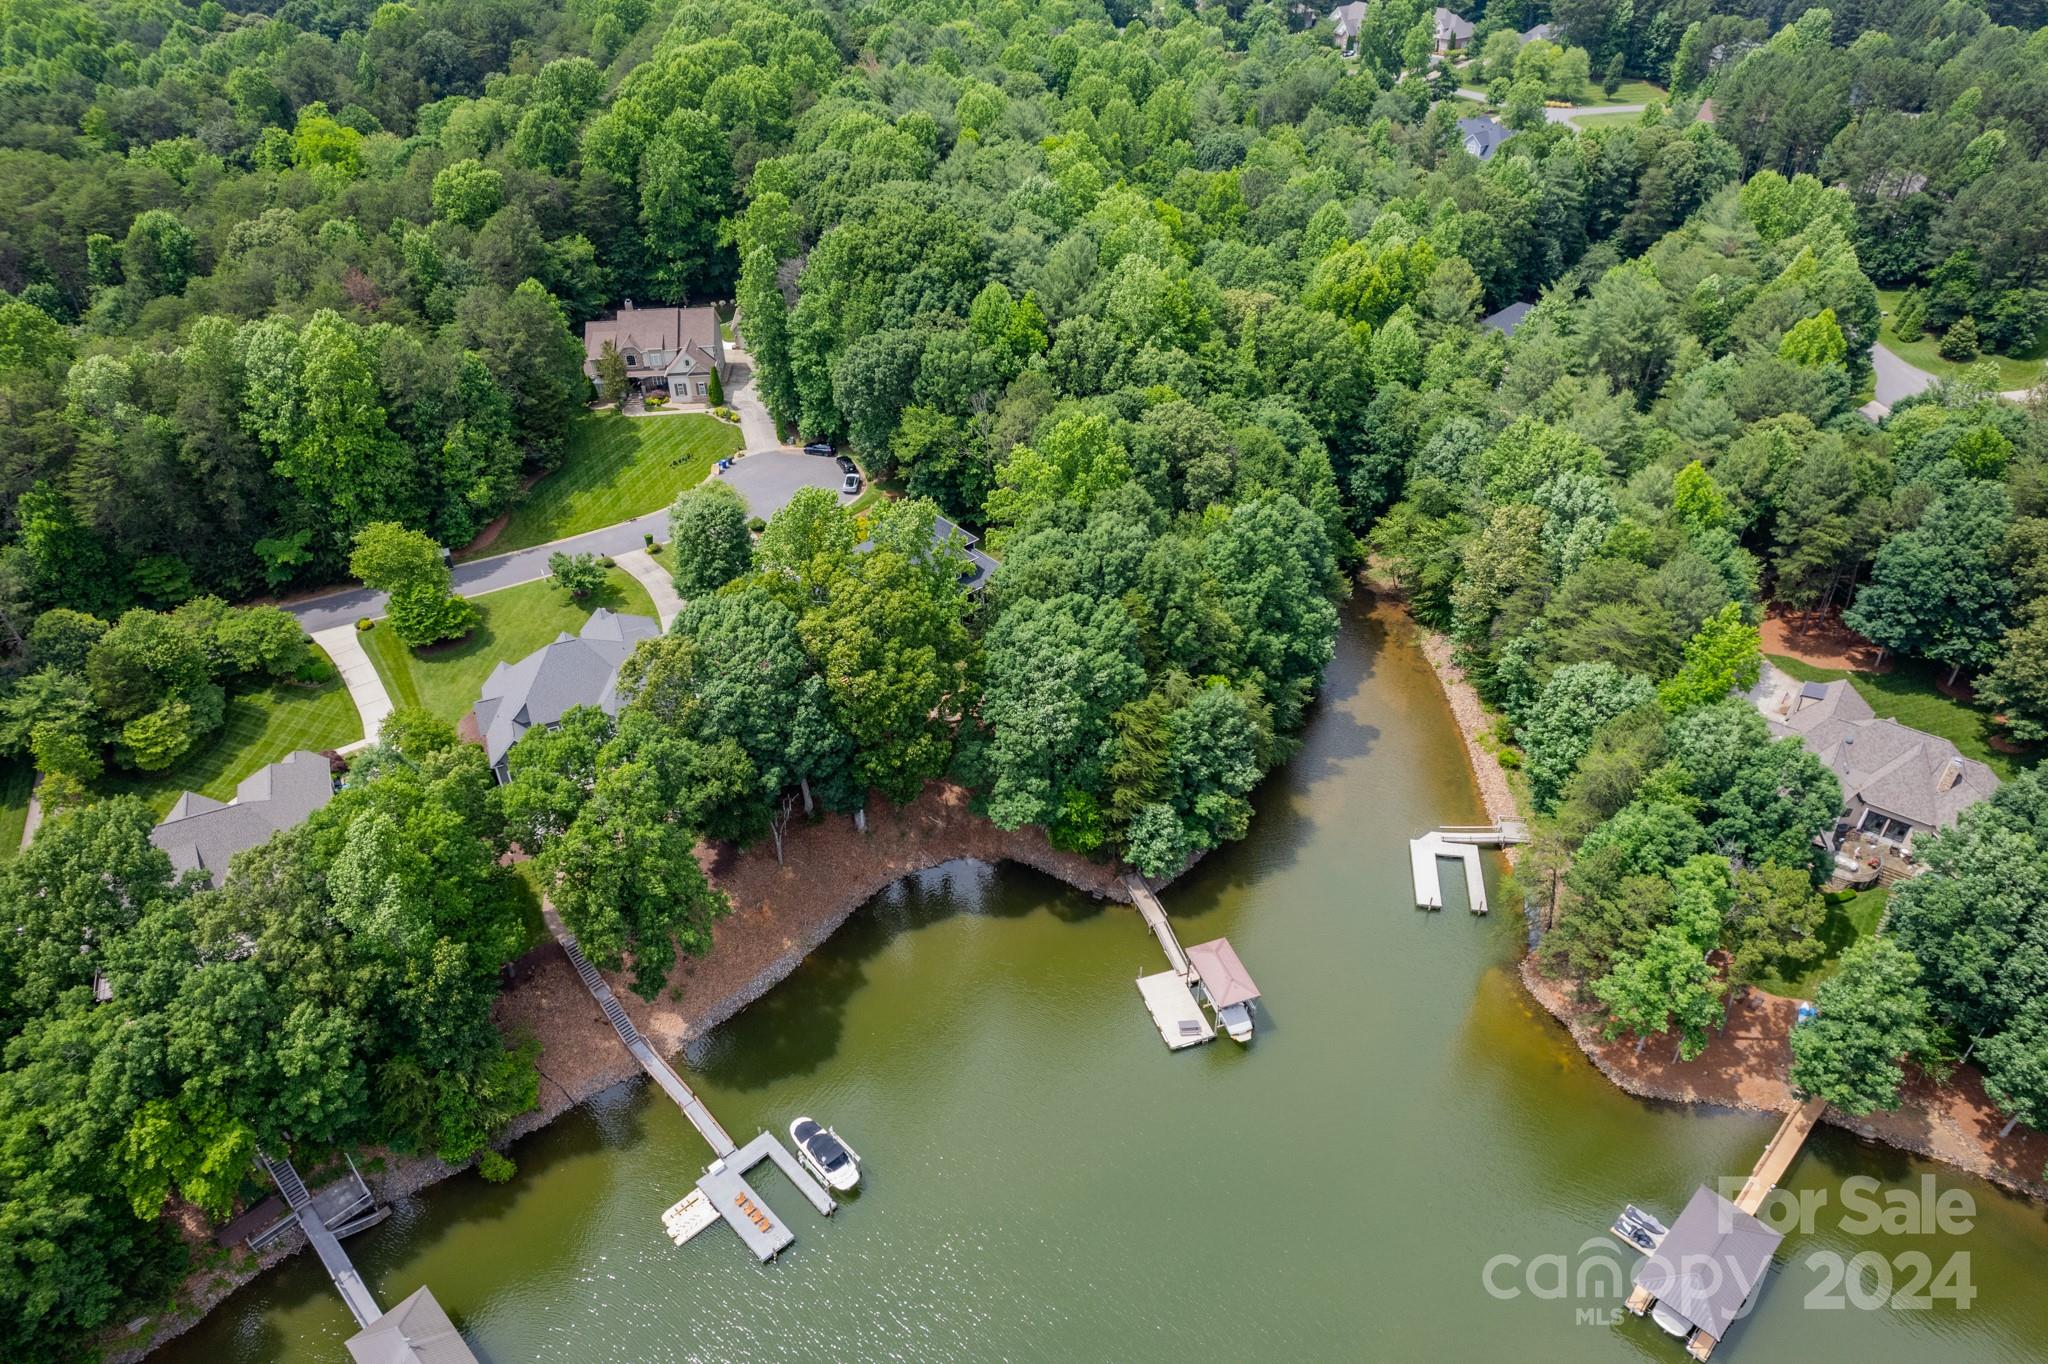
(1547, 32)
(1898, 782)
(538, 690)
(1482, 136)
(1507, 319)
(201, 834)
(980, 567)
(1346, 21)
(669, 351)
(1452, 30)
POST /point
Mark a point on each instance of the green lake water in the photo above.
(1044, 1181)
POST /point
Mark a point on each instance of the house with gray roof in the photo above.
(1897, 782)
(1547, 32)
(1453, 30)
(1483, 135)
(669, 351)
(1707, 1270)
(202, 834)
(1346, 21)
(1507, 319)
(980, 567)
(575, 670)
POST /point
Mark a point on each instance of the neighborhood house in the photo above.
(201, 834)
(668, 351)
(575, 670)
(1897, 782)
(1452, 30)
(1347, 20)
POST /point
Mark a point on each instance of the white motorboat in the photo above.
(825, 1154)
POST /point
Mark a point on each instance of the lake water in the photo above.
(1043, 1180)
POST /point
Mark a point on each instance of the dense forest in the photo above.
(1179, 307)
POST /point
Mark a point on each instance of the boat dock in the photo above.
(723, 1187)
(1175, 1013)
(1175, 997)
(1726, 1236)
(1426, 856)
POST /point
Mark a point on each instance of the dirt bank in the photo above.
(1745, 1064)
(780, 912)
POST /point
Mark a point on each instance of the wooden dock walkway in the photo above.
(1778, 1155)
(1426, 856)
(1155, 919)
(650, 1060)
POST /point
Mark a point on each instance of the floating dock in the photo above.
(1171, 1003)
(1426, 856)
(691, 1214)
(724, 1185)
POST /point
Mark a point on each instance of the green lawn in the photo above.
(617, 468)
(1628, 92)
(1908, 694)
(1591, 121)
(261, 727)
(16, 777)
(2013, 372)
(445, 678)
(1851, 915)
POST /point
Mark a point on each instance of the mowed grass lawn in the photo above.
(261, 727)
(1908, 694)
(617, 468)
(445, 678)
(2013, 371)
(1852, 915)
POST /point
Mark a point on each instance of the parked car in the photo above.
(820, 447)
(851, 483)
(847, 466)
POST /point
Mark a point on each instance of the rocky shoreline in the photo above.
(781, 913)
(1745, 1065)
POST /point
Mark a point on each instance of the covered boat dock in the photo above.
(1705, 1272)
(1227, 985)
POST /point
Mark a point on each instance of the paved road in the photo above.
(1566, 116)
(1896, 380)
(479, 576)
(768, 479)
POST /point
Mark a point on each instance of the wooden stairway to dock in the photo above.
(650, 1060)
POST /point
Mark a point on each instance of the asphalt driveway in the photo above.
(769, 479)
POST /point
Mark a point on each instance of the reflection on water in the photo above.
(1044, 1181)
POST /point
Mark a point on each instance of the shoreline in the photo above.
(781, 913)
(1744, 1067)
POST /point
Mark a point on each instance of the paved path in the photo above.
(1896, 380)
(478, 576)
(344, 644)
(659, 582)
(1571, 116)
(768, 479)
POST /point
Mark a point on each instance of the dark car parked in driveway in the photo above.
(819, 447)
(847, 466)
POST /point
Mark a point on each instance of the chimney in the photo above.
(1950, 775)
(627, 306)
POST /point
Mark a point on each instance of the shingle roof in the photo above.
(416, 1331)
(1223, 975)
(1902, 771)
(1348, 19)
(644, 331)
(1710, 1263)
(1483, 136)
(1547, 32)
(1452, 25)
(983, 567)
(574, 670)
(203, 833)
(1508, 318)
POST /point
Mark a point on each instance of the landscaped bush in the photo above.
(365, 623)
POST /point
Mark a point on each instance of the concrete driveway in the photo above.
(770, 478)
